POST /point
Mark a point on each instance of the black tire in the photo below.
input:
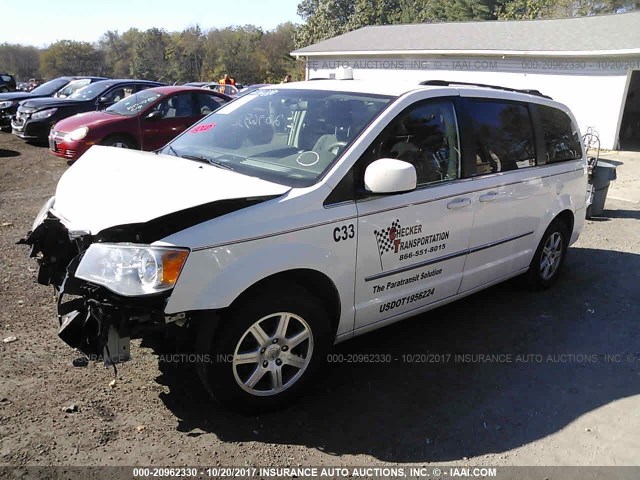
(555, 239)
(4, 89)
(222, 377)
(118, 141)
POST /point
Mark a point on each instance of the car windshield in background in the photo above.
(133, 104)
(286, 136)
(73, 87)
(50, 87)
(89, 92)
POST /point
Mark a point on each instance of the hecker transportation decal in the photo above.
(397, 244)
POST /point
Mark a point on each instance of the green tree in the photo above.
(185, 55)
(20, 61)
(68, 57)
(148, 59)
(274, 51)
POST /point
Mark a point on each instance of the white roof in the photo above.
(393, 89)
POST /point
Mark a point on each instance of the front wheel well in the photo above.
(124, 136)
(316, 283)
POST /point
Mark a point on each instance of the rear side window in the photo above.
(561, 138)
(503, 136)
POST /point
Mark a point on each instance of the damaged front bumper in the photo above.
(92, 319)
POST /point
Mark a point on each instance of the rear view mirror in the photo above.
(389, 175)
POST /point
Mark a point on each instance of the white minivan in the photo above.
(302, 215)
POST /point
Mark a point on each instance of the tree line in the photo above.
(252, 55)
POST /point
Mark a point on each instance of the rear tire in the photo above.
(549, 258)
(265, 350)
(119, 141)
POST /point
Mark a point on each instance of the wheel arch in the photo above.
(567, 217)
(125, 135)
(315, 282)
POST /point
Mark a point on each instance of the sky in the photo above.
(42, 22)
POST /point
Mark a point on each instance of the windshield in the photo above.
(90, 91)
(133, 104)
(72, 87)
(51, 87)
(285, 136)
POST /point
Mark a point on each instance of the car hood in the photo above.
(110, 186)
(16, 96)
(47, 102)
(87, 119)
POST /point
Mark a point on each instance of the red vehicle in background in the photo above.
(146, 120)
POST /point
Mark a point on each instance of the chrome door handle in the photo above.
(489, 197)
(459, 203)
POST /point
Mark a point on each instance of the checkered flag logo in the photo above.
(385, 237)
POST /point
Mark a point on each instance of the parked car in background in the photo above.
(34, 118)
(54, 88)
(144, 121)
(34, 83)
(230, 90)
(251, 88)
(21, 87)
(7, 83)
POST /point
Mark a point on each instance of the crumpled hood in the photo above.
(111, 186)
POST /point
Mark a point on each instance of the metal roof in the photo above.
(588, 36)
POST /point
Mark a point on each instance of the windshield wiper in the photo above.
(206, 160)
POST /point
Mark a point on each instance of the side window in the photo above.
(425, 135)
(561, 139)
(118, 94)
(176, 106)
(206, 103)
(503, 136)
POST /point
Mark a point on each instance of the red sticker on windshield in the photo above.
(202, 128)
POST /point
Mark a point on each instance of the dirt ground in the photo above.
(569, 395)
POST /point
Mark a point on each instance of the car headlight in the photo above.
(78, 133)
(130, 269)
(44, 114)
(6, 104)
(42, 214)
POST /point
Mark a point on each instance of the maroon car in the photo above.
(146, 120)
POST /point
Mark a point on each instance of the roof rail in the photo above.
(446, 83)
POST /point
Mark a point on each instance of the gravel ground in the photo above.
(571, 397)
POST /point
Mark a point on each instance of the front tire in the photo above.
(264, 351)
(549, 258)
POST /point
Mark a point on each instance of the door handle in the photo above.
(489, 197)
(459, 203)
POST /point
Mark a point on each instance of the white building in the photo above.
(592, 64)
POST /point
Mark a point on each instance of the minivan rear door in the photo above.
(509, 196)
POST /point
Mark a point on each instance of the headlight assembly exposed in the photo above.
(42, 114)
(132, 270)
(6, 104)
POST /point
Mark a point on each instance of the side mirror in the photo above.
(155, 115)
(389, 175)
